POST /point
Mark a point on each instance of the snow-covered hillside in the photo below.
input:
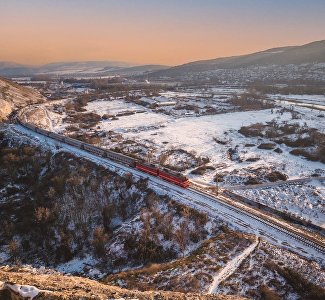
(13, 96)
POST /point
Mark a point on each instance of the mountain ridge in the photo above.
(12, 69)
(313, 52)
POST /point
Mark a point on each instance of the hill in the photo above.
(11, 69)
(99, 68)
(307, 54)
(53, 285)
(138, 70)
(14, 96)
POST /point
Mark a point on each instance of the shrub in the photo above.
(253, 159)
(304, 288)
(42, 214)
(13, 249)
(201, 170)
(252, 181)
(304, 153)
(99, 240)
(254, 130)
(219, 178)
(276, 176)
(266, 146)
(268, 294)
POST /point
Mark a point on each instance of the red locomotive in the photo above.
(168, 175)
(148, 168)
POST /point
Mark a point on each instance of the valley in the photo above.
(253, 152)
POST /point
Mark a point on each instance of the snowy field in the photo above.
(312, 101)
(152, 131)
(124, 123)
(162, 132)
(198, 133)
(306, 201)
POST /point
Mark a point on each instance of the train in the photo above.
(152, 169)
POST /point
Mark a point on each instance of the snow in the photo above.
(197, 134)
(125, 123)
(163, 132)
(311, 99)
(111, 106)
(231, 267)
(188, 197)
(306, 201)
(25, 291)
(191, 132)
(255, 271)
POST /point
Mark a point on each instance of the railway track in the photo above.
(286, 228)
(239, 208)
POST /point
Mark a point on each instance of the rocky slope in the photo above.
(14, 96)
(52, 285)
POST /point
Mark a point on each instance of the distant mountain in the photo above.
(12, 69)
(99, 68)
(81, 67)
(137, 70)
(61, 68)
(8, 64)
(309, 53)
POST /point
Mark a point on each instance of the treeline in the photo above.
(299, 87)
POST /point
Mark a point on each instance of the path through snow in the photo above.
(231, 267)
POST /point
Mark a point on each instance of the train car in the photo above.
(120, 158)
(73, 142)
(147, 168)
(174, 177)
(29, 126)
(93, 149)
(42, 131)
(56, 136)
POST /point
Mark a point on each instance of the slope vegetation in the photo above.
(14, 96)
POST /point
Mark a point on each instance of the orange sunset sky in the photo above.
(159, 32)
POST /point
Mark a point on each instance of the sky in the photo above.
(166, 32)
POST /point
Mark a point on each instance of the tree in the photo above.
(100, 238)
(42, 214)
(182, 236)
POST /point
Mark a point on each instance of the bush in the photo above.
(250, 101)
(254, 130)
(305, 289)
(276, 176)
(252, 181)
(268, 294)
(201, 170)
(99, 240)
(266, 146)
(253, 159)
(219, 178)
(304, 153)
